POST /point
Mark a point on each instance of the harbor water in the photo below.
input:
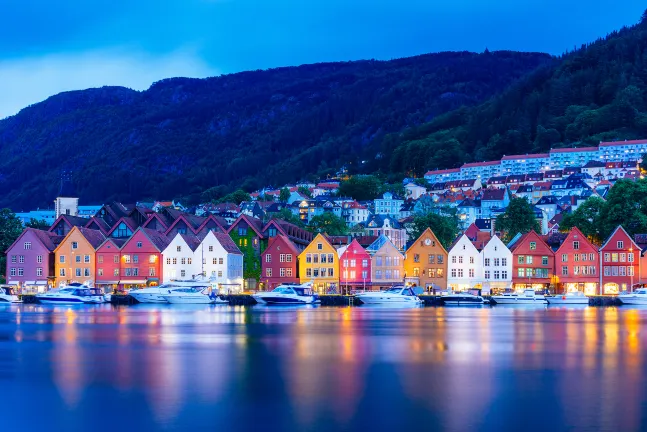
(163, 367)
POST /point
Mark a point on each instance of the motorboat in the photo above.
(288, 294)
(638, 297)
(67, 295)
(153, 294)
(193, 295)
(96, 296)
(464, 298)
(7, 295)
(570, 298)
(393, 295)
(526, 297)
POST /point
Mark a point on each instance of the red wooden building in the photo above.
(355, 267)
(141, 258)
(279, 263)
(577, 265)
(533, 262)
(108, 262)
(620, 263)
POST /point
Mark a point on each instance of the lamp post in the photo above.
(631, 253)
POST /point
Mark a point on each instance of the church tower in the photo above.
(66, 202)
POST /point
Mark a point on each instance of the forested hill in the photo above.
(597, 93)
(248, 129)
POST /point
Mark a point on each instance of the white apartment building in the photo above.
(617, 151)
(414, 191)
(439, 176)
(354, 213)
(388, 205)
(525, 164)
(481, 170)
(572, 157)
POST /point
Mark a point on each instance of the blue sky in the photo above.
(51, 46)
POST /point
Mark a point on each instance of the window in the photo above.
(315, 272)
(521, 259)
(183, 261)
(282, 272)
(544, 260)
(127, 259)
(179, 249)
(61, 272)
(288, 258)
(353, 263)
(471, 272)
(565, 258)
(453, 273)
(431, 259)
(86, 259)
(416, 271)
(620, 245)
(323, 258)
(268, 258)
(77, 258)
(13, 259)
(564, 271)
(497, 262)
(308, 272)
(75, 245)
(12, 272)
(521, 272)
(182, 273)
(319, 246)
(630, 257)
(614, 257)
(151, 271)
(365, 263)
(151, 259)
(497, 274)
(607, 257)
(268, 272)
(504, 262)
(453, 259)
(308, 258)
(135, 259)
(576, 271)
(487, 262)
(533, 245)
(219, 273)
(21, 259)
(416, 258)
(214, 261)
(189, 261)
(174, 261)
(78, 272)
(576, 245)
(86, 272)
(607, 271)
(471, 260)
(242, 231)
(630, 271)
(591, 257)
(330, 258)
(504, 274)
(528, 259)
(622, 271)
(623, 257)
(487, 274)
(378, 274)
(139, 245)
(39, 271)
(210, 248)
(288, 272)
(439, 259)
(439, 273)
(100, 259)
(220, 260)
(614, 271)
(116, 272)
(315, 258)
(27, 245)
(115, 259)
(431, 272)
(460, 259)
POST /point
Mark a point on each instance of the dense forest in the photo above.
(596, 93)
(248, 129)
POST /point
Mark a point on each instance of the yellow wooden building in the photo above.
(319, 264)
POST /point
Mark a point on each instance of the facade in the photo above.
(108, 257)
(388, 205)
(319, 264)
(414, 191)
(497, 262)
(378, 225)
(247, 234)
(30, 260)
(354, 213)
(355, 267)
(444, 175)
(141, 258)
(533, 262)
(75, 257)
(463, 265)
(387, 263)
(569, 157)
(425, 263)
(223, 261)
(620, 263)
(523, 164)
(576, 265)
(279, 263)
(180, 262)
(481, 170)
(622, 150)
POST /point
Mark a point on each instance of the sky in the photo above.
(51, 46)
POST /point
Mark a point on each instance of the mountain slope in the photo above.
(182, 136)
(596, 93)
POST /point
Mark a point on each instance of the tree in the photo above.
(10, 229)
(235, 197)
(587, 218)
(361, 187)
(287, 215)
(37, 224)
(328, 223)
(304, 191)
(643, 163)
(284, 195)
(444, 227)
(626, 205)
(519, 217)
(213, 193)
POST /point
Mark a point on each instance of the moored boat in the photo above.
(288, 294)
(526, 297)
(7, 295)
(465, 298)
(66, 295)
(394, 295)
(193, 295)
(570, 298)
(638, 297)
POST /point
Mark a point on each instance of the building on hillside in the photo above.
(494, 199)
(481, 170)
(464, 265)
(299, 237)
(572, 157)
(444, 175)
(414, 191)
(387, 263)
(620, 268)
(548, 205)
(378, 225)
(354, 213)
(533, 262)
(354, 267)
(468, 211)
(30, 260)
(319, 264)
(108, 258)
(47, 216)
(141, 258)
(75, 257)
(497, 266)
(522, 164)
(616, 151)
(425, 262)
(279, 263)
(247, 234)
(576, 265)
(388, 205)
(67, 202)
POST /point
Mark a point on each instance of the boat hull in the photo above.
(148, 297)
(284, 300)
(636, 301)
(60, 300)
(562, 300)
(203, 299)
(467, 301)
(388, 299)
(524, 301)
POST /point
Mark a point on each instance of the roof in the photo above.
(493, 194)
(191, 240)
(252, 222)
(378, 243)
(574, 150)
(619, 143)
(119, 242)
(101, 224)
(94, 237)
(379, 221)
(594, 164)
(480, 164)
(515, 243)
(48, 239)
(527, 156)
(444, 171)
(158, 239)
(71, 221)
(619, 227)
(285, 240)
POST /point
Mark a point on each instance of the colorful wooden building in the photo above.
(387, 263)
(497, 262)
(533, 262)
(425, 263)
(464, 265)
(620, 263)
(319, 264)
(30, 260)
(355, 267)
(75, 256)
(108, 258)
(247, 234)
(279, 263)
(141, 258)
(577, 265)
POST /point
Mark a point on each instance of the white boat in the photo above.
(464, 298)
(526, 297)
(288, 294)
(153, 294)
(570, 298)
(394, 295)
(96, 296)
(7, 295)
(638, 297)
(67, 295)
(193, 295)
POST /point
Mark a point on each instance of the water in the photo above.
(227, 368)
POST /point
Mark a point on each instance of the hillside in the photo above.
(597, 93)
(182, 136)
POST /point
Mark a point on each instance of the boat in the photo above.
(153, 294)
(288, 294)
(570, 298)
(7, 295)
(465, 298)
(96, 296)
(393, 295)
(526, 297)
(638, 297)
(193, 295)
(67, 295)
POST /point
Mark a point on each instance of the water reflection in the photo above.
(298, 368)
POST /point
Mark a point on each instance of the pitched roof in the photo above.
(48, 239)
(252, 222)
(72, 221)
(480, 164)
(94, 237)
(285, 240)
(158, 239)
(493, 194)
(119, 242)
(619, 227)
(378, 243)
(227, 243)
(101, 224)
(191, 240)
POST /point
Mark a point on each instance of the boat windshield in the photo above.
(283, 290)
(303, 291)
(641, 291)
(394, 290)
(190, 290)
(96, 291)
(7, 291)
(82, 292)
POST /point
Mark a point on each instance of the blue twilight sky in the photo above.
(49, 46)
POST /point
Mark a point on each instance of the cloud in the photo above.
(30, 80)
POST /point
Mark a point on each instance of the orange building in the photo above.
(74, 256)
(425, 263)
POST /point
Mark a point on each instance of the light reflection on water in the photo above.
(304, 368)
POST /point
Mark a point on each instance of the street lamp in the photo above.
(631, 253)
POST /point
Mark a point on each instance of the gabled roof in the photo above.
(130, 223)
(285, 227)
(378, 244)
(285, 240)
(161, 218)
(493, 194)
(531, 235)
(71, 221)
(428, 232)
(227, 243)
(571, 234)
(220, 221)
(253, 223)
(157, 239)
(48, 239)
(94, 237)
(118, 242)
(191, 240)
(100, 224)
(619, 227)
